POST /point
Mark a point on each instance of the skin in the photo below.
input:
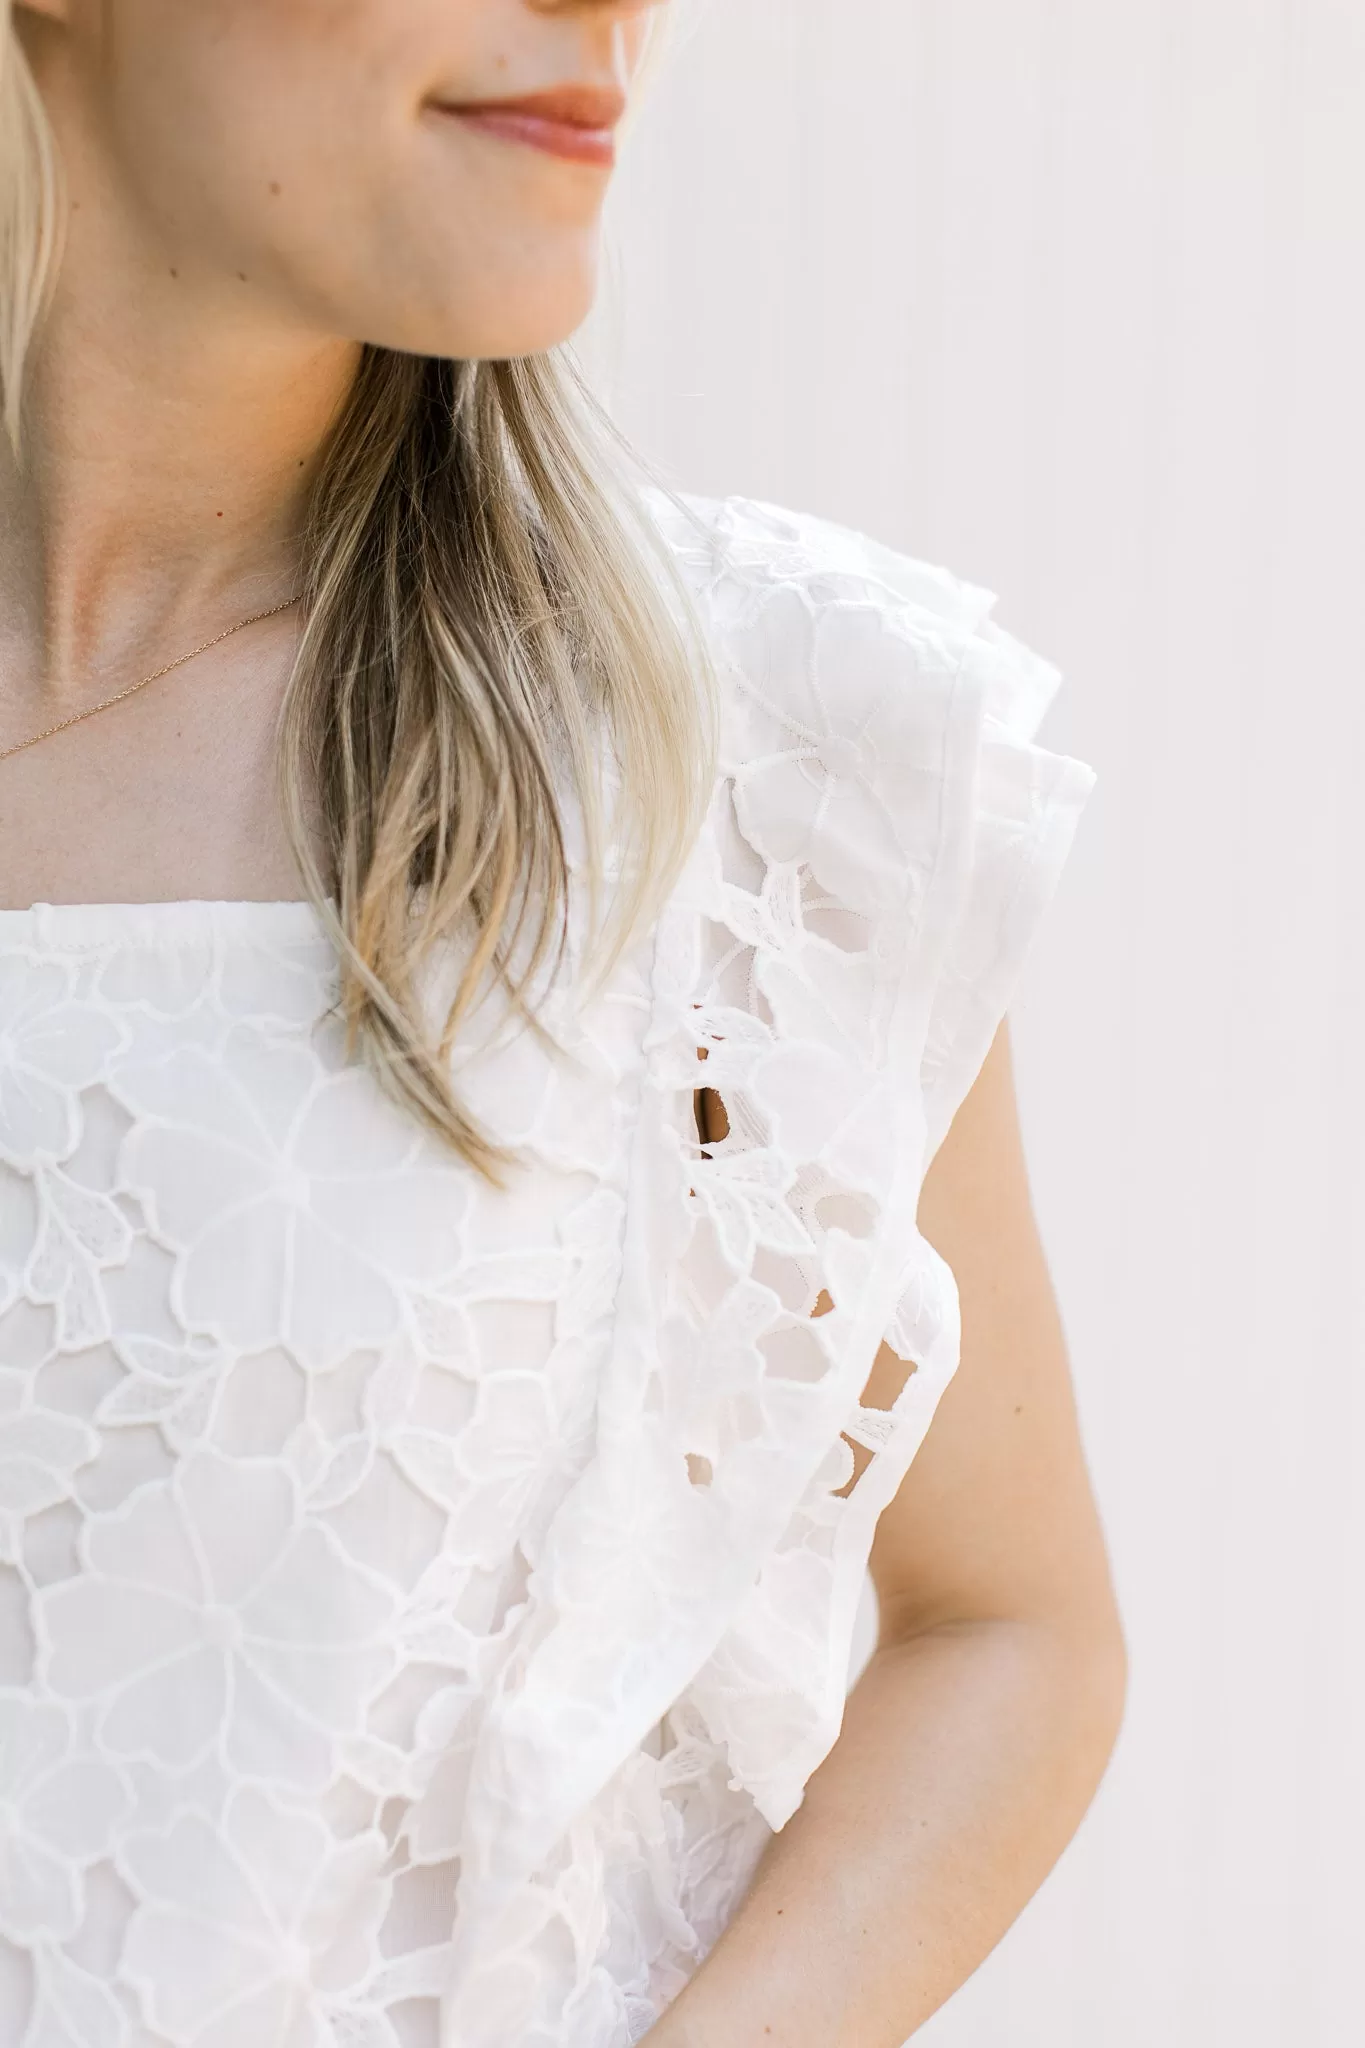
(258, 188)
(974, 1741)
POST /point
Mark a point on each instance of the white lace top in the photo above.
(419, 1604)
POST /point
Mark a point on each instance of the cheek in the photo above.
(500, 263)
(289, 147)
(426, 242)
(210, 107)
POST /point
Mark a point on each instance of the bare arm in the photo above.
(974, 1740)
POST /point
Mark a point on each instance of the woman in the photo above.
(442, 1443)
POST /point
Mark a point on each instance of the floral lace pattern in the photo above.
(420, 1604)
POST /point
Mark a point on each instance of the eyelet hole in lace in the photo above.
(712, 1118)
(794, 1352)
(889, 1376)
(861, 1458)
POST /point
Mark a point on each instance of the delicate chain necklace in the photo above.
(133, 688)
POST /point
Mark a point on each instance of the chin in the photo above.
(502, 340)
(520, 317)
(548, 328)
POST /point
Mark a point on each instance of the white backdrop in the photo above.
(1068, 295)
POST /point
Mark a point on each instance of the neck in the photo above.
(172, 436)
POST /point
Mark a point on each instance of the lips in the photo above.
(577, 122)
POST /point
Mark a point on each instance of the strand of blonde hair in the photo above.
(492, 628)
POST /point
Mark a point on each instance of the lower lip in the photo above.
(553, 138)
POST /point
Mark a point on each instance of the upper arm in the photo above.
(995, 1517)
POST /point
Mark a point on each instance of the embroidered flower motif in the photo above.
(208, 1612)
(159, 981)
(301, 1201)
(249, 1931)
(289, 982)
(18, 1229)
(830, 777)
(57, 1815)
(72, 2009)
(51, 1046)
(712, 1368)
(826, 1109)
(490, 1476)
(82, 1235)
(414, 1504)
(745, 1195)
(40, 1453)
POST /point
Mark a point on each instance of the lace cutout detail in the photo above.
(419, 1605)
(847, 870)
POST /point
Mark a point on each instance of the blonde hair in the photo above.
(487, 606)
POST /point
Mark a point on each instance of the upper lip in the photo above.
(592, 107)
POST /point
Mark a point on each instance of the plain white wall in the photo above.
(1067, 294)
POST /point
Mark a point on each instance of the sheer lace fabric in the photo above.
(419, 1605)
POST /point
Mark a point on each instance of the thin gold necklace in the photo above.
(133, 688)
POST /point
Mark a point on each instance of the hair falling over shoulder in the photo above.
(489, 617)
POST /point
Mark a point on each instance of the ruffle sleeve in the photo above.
(884, 839)
(883, 742)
